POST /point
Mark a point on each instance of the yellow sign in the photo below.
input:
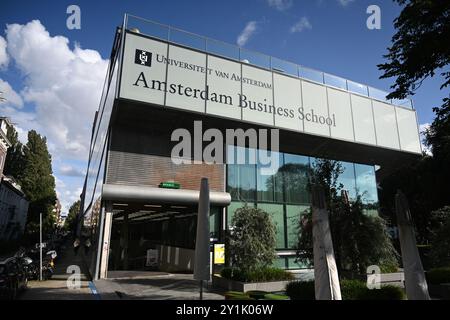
(219, 253)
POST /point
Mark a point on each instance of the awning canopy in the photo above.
(160, 195)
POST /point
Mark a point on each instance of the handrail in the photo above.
(132, 21)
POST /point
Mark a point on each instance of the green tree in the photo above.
(15, 159)
(420, 49)
(71, 220)
(38, 182)
(440, 237)
(251, 243)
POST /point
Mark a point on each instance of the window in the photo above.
(347, 179)
(293, 216)
(277, 213)
(296, 176)
(270, 187)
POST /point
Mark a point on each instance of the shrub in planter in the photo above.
(300, 290)
(257, 275)
(352, 289)
(387, 292)
(357, 290)
(273, 296)
(236, 295)
(437, 276)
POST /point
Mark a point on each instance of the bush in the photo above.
(438, 275)
(300, 290)
(252, 241)
(357, 290)
(389, 268)
(387, 292)
(258, 275)
(440, 237)
(236, 295)
(350, 290)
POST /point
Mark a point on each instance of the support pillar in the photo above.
(106, 240)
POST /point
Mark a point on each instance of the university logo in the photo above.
(143, 58)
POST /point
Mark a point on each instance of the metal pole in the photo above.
(201, 289)
(40, 246)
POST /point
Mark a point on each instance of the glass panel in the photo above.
(187, 39)
(276, 211)
(335, 81)
(231, 209)
(357, 88)
(280, 263)
(241, 177)
(296, 175)
(223, 49)
(255, 58)
(407, 103)
(293, 215)
(214, 222)
(293, 264)
(347, 179)
(270, 187)
(147, 27)
(284, 67)
(366, 185)
(378, 94)
(311, 74)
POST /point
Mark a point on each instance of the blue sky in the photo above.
(331, 36)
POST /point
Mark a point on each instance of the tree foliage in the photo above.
(440, 237)
(252, 240)
(38, 182)
(420, 47)
(71, 220)
(15, 160)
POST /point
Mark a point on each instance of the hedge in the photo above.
(350, 290)
(258, 275)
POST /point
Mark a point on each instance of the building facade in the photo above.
(141, 192)
(13, 209)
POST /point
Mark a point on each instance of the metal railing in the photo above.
(230, 51)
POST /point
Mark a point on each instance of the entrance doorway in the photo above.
(157, 237)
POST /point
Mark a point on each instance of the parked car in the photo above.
(13, 278)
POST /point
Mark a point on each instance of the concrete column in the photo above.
(106, 240)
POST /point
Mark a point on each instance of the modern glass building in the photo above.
(140, 198)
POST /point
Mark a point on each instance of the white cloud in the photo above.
(61, 90)
(302, 24)
(422, 129)
(68, 170)
(11, 96)
(4, 59)
(249, 30)
(345, 3)
(280, 5)
(63, 84)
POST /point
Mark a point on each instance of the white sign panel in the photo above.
(171, 76)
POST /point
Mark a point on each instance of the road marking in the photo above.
(94, 290)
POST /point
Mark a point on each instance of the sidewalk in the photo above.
(135, 285)
(56, 288)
